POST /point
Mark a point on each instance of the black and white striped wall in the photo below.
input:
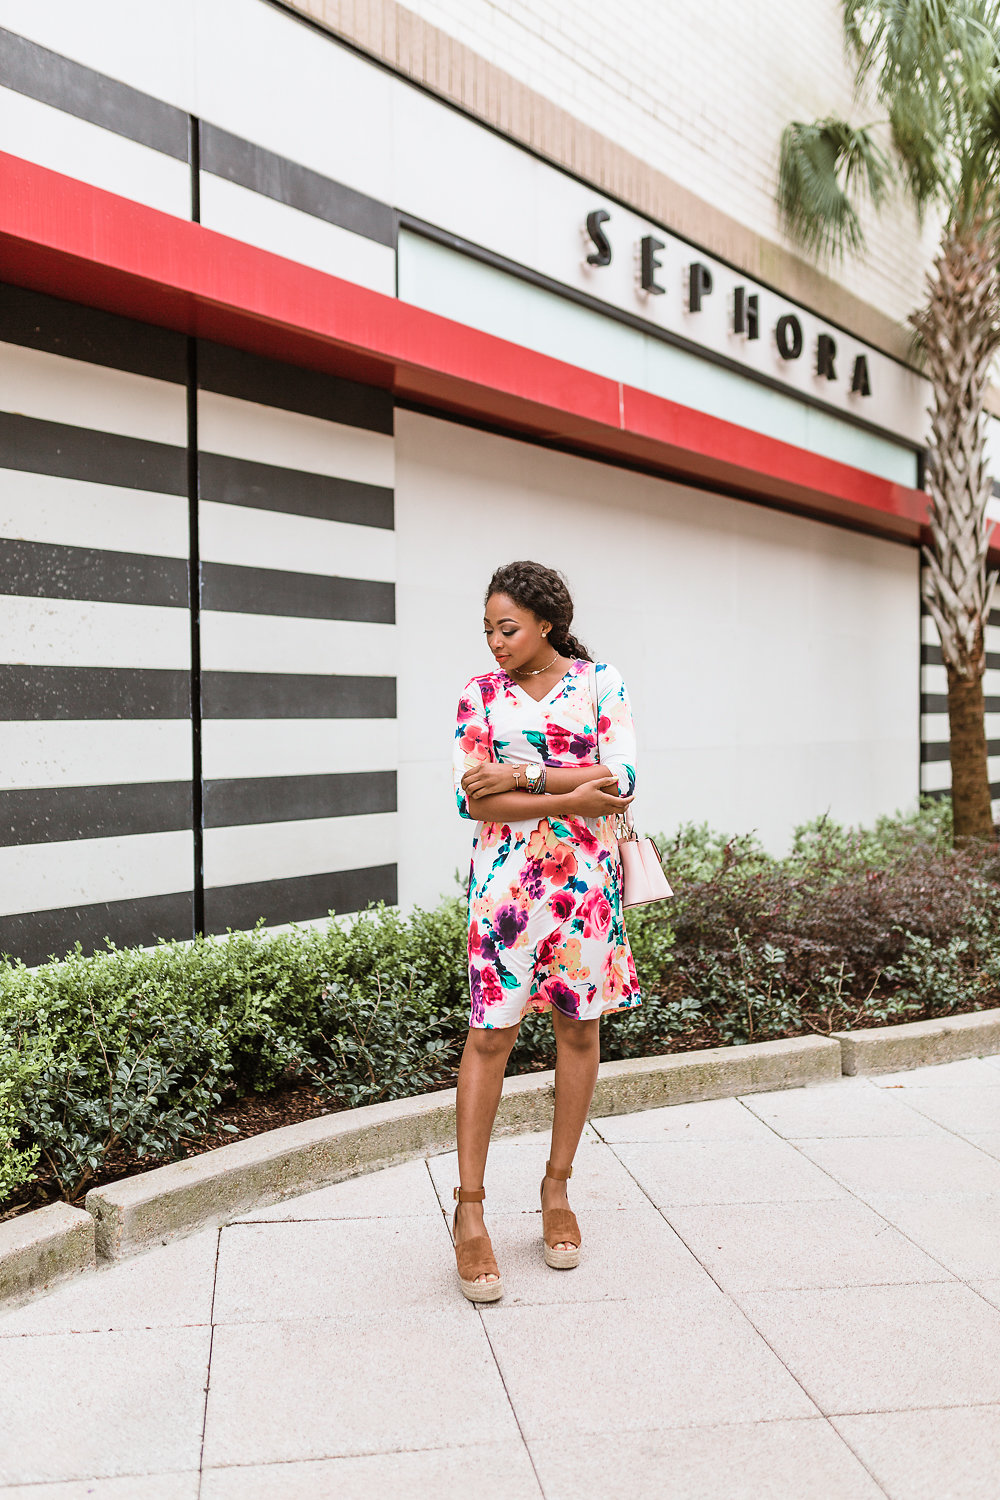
(935, 765)
(197, 686)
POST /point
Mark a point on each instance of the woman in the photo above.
(544, 759)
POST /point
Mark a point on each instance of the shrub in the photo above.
(135, 1050)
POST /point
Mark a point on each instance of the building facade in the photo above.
(312, 315)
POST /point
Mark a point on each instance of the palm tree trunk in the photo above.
(959, 333)
(972, 811)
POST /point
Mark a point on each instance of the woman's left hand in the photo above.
(487, 779)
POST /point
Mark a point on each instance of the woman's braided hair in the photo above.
(544, 592)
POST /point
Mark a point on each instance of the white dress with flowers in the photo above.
(545, 895)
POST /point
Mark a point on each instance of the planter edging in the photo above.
(124, 1218)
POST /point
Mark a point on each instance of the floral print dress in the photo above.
(545, 895)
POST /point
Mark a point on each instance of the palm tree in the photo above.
(933, 67)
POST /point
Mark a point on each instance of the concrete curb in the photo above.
(221, 1184)
(917, 1044)
(39, 1248)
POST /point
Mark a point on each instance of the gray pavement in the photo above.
(783, 1296)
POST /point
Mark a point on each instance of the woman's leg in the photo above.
(480, 1082)
(578, 1052)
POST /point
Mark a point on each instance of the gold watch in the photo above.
(532, 777)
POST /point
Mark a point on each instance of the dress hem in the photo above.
(614, 1010)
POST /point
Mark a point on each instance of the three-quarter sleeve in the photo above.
(616, 732)
(473, 740)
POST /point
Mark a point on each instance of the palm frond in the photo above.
(935, 67)
(825, 168)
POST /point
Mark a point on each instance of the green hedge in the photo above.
(136, 1049)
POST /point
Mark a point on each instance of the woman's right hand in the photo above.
(595, 799)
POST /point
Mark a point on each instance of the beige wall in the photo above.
(773, 661)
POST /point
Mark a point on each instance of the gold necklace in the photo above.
(538, 670)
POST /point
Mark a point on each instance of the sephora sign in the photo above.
(662, 280)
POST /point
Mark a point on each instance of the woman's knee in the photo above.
(491, 1041)
(581, 1036)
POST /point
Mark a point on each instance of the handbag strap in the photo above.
(623, 821)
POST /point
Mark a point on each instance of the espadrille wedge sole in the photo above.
(475, 1257)
(560, 1227)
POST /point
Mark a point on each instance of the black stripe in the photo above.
(930, 656)
(271, 591)
(937, 703)
(41, 815)
(299, 899)
(282, 799)
(29, 694)
(289, 182)
(276, 695)
(42, 570)
(242, 481)
(35, 936)
(53, 79)
(993, 618)
(251, 377)
(100, 338)
(943, 792)
(27, 443)
(941, 750)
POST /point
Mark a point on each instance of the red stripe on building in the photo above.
(72, 240)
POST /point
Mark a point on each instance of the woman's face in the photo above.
(515, 636)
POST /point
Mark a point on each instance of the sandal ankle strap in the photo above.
(469, 1195)
(558, 1174)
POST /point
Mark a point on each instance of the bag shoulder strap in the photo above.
(595, 704)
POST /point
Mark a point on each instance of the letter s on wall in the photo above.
(601, 254)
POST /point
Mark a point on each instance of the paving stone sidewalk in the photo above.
(783, 1296)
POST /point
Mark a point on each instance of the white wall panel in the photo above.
(94, 752)
(44, 877)
(249, 216)
(232, 642)
(295, 747)
(244, 429)
(273, 80)
(310, 846)
(150, 47)
(82, 633)
(772, 661)
(75, 147)
(75, 513)
(298, 544)
(37, 384)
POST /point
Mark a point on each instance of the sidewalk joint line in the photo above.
(208, 1366)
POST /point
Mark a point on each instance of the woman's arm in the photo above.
(587, 800)
(492, 778)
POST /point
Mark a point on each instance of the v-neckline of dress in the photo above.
(539, 701)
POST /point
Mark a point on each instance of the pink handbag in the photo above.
(643, 877)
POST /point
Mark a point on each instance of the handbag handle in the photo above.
(624, 826)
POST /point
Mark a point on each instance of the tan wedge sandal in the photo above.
(559, 1227)
(475, 1257)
